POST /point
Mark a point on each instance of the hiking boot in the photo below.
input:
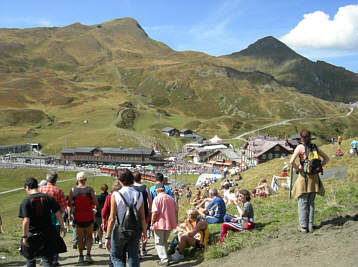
(301, 229)
(89, 259)
(177, 256)
(74, 246)
(310, 228)
(81, 260)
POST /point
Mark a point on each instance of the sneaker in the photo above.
(144, 252)
(100, 245)
(301, 229)
(89, 259)
(74, 246)
(163, 263)
(177, 256)
(81, 260)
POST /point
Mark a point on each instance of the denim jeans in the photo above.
(119, 249)
(306, 209)
(55, 257)
(212, 219)
(174, 243)
(228, 217)
(46, 262)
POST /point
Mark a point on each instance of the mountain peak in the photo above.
(268, 47)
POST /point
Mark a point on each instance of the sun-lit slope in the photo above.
(78, 72)
(291, 69)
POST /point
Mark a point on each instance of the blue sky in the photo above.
(318, 29)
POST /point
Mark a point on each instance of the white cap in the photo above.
(81, 176)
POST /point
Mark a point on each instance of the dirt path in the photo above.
(334, 244)
(100, 256)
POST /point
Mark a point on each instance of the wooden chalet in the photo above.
(170, 131)
(224, 157)
(110, 155)
(184, 132)
(259, 150)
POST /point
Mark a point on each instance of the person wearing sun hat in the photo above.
(82, 199)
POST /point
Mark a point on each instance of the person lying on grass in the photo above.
(263, 189)
(193, 232)
(244, 221)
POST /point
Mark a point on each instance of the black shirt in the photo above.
(38, 208)
(101, 199)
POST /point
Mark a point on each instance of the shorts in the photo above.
(82, 224)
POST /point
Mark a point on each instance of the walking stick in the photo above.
(291, 176)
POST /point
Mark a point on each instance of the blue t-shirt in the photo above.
(167, 191)
(217, 208)
(354, 143)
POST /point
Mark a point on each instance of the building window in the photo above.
(269, 155)
(263, 156)
(277, 148)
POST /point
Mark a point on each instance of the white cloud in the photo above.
(317, 31)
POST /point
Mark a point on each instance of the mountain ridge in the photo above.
(81, 72)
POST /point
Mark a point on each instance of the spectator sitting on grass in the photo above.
(229, 196)
(196, 200)
(263, 189)
(214, 212)
(193, 232)
(245, 220)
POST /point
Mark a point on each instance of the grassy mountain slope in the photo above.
(80, 72)
(319, 78)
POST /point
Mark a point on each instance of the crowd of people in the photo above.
(131, 213)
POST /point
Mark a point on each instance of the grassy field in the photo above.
(274, 215)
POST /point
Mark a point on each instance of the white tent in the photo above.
(215, 140)
(207, 176)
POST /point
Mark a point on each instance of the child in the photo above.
(245, 220)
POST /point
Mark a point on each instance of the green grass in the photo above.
(275, 216)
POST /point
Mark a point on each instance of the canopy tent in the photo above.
(207, 176)
(215, 140)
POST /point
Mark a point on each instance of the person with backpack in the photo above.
(147, 198)
(308, 183)
(82, 199)
(127, 212)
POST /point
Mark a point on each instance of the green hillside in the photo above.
(53, 79)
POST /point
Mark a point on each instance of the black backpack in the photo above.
(130, 228)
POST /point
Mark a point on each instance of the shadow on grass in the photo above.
(260, 226)
(14, 263)
(338, 221)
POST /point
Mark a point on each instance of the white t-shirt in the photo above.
(129, 193)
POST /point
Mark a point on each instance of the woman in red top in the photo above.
(82, 198)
